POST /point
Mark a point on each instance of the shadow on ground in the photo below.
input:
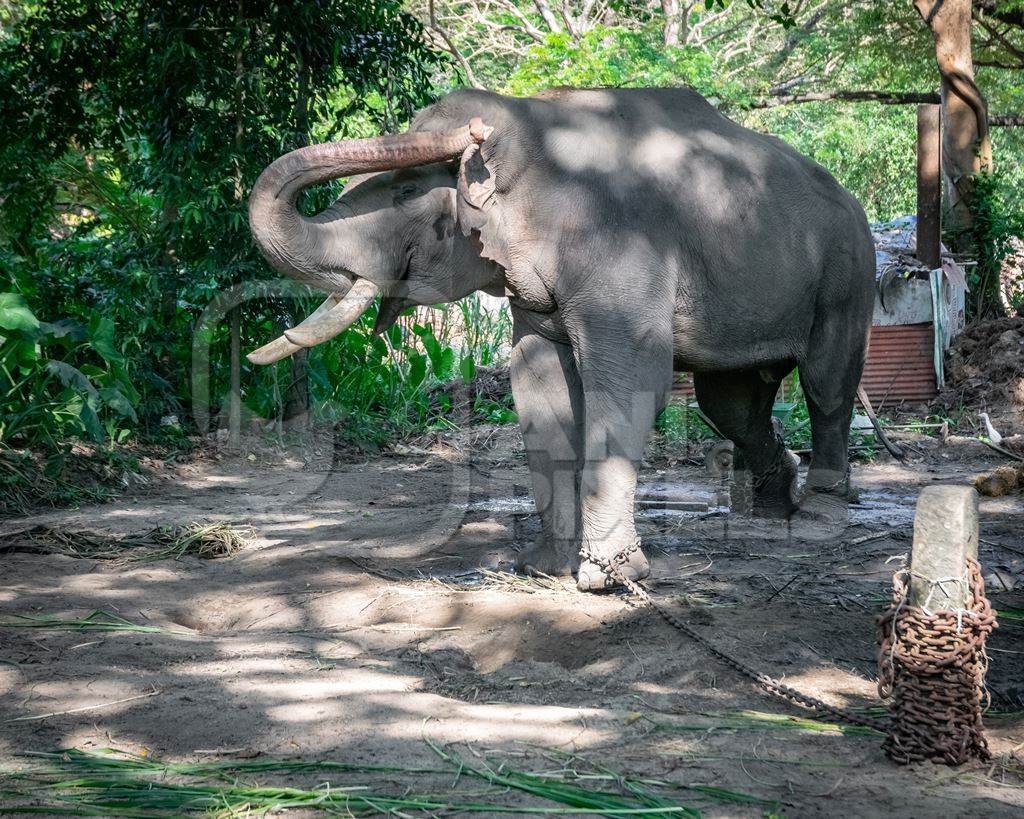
(358, 622)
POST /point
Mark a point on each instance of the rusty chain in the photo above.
(766, 683)
(933, 666)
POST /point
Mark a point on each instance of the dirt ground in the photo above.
(361, 619)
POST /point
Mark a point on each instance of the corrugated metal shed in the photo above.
(900, 365)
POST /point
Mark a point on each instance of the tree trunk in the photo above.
(966, 150)
(235, 390)
(670, 9)
(296, 408)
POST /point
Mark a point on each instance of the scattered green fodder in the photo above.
(111, 783)
(692, 757)
(1010, 613)
(205, 540)
(97, 621)
(761, 721)
(1010, 617)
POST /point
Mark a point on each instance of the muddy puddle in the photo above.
(692, 499)
(883, 508)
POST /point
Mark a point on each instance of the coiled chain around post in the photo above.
(933, 666)
(612, 567)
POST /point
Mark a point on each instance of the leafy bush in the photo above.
(377, 387)
(612, 57)
(61, 380)
(995, 223)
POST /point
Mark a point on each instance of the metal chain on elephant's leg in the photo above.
(760, 480)
(831, 489)
(612, 568)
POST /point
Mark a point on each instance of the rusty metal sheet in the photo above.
(899, 367)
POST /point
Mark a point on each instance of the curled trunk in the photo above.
(300, 246)
(295, 244)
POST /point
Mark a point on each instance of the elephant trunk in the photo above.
(292, 243)
(287, 239)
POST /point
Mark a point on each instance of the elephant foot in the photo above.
(775, 491)
(825, 501)
(821, 517)
(545, 558)
(591, 577)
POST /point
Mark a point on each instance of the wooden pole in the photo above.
(945, 535)
(929, 183)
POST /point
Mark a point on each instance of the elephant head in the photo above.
(392, 232)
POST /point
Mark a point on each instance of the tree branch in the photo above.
(545, 11)
(530, 29)
(1011, 16)
(883, 97)
(998, 35)
(443, 35)
(1006, 120)
(998, 64)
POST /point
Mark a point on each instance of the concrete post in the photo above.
(945, 535)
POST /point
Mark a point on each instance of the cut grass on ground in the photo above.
(111, 783)
(761, 721)
(97, 621)
(205, 540)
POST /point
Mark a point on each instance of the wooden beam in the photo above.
(929, 183)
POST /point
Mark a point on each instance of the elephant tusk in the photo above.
(281, 347)
(337, 319)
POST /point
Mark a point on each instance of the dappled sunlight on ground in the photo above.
(350, 628)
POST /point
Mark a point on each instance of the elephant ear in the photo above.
(389, 311)
(477, 209)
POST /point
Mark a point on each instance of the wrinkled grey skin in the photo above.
(634, 230)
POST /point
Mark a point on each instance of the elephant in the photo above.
(635, 231)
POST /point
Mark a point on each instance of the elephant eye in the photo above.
(405, 192)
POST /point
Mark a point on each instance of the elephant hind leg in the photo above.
(740, 404)
(829, 376)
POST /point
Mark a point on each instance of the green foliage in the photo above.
(994, 224)
(486, 333)
(680, 424)
(379, 386)
(869, 148)
(441, 358)
(611, 57)
(496, 412)
(61, 380)
(133, 130)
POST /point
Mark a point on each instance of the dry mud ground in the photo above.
(358, 622)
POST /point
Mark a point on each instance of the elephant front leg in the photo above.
(548, 395)
(621, 406)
